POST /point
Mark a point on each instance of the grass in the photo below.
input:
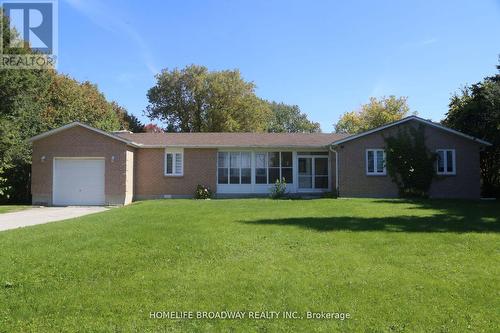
(11, 208)
(394, 266)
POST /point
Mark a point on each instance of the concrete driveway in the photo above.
(40, 215)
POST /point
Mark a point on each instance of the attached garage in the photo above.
(78, 181)
(79, 165)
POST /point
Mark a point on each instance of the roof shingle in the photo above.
(232, 139)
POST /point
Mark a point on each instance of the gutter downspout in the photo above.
(336, 170)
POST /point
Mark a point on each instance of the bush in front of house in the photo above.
(410, 163)
(202, 192)
(278, 190)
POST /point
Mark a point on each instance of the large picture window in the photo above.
(234, 168)
(271, 166)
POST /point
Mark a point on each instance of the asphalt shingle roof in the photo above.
(232, 139)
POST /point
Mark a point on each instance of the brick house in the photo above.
(80, 165)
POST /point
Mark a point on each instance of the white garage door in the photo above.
(78, 182)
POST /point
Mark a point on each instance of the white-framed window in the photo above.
(271, 166)
(174, 162)
(446, 162)
(375, 162)
(234, 167)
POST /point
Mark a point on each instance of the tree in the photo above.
(194, 99)
(409, 162)
(127, 120)
(70, 100)
(22, 96)
(289, 119)
(475, 110)
(376, 113)
(153, 128)
(34, 101)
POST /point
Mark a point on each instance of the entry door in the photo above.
(313, 172)
(78, 182)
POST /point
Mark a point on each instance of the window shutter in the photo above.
(178, 163)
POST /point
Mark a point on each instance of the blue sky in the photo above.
(328, 57)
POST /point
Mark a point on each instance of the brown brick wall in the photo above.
(355, 183)
(79, 142)
(332, 171)
(150, 182)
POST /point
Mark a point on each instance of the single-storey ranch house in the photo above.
(80, 165)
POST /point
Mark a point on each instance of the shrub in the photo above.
(202, 192)
(409, 163)
(279, 189)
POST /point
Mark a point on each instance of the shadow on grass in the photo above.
(436, 223)
(447, 216)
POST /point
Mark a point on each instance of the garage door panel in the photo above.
(78, 182)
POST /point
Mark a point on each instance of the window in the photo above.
(261, 168)
(313, 172)
(246, 168)
(375, 162)
(272, 166)
(223, 168)
(234, 168)
(174, 162)
(446, 162)
(273, 171)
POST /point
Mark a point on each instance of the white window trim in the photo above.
(445, 163)
(280, 167)
(173, 152)
(375, 173)
(240, 153)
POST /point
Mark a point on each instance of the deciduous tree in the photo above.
(127, 120)
(376, 113)
(475, 110)
(194, 99)
(289, 119)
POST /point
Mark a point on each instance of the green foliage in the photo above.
(127, 121)
(32, 102)
(289, 119)
(409, 163)
(376, 113)
(278, 191)
(475, 110)
(70, 100)
(203, 192)
(194, 99)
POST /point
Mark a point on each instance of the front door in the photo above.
(313, 172)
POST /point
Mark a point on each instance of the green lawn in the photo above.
(11, 208)
(394, 266)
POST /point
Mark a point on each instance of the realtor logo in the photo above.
(32, 24)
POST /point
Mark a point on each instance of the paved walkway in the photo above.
(40, 215)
